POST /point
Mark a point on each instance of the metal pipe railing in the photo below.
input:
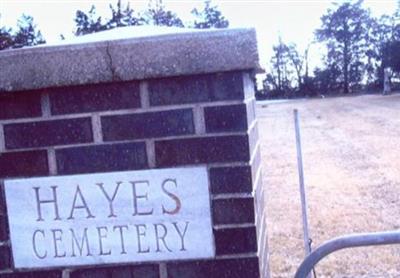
(348, 241)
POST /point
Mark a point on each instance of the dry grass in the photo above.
(351, 153)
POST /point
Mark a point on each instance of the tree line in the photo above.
(27, 33)
(359, 47)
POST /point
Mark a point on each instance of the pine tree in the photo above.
(6, 38)
(159, 16)
(27, 34)
(123, 17)
(345, 30)
(382, 33)
(209, 17)
(280, 76)
(88, 23)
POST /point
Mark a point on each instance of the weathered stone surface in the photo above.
(184, 53)
(41, 67)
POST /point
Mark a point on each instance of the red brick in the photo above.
(23, 164)
(196, 88)
(202, 150)
(222, 268)
(33, 274)
(147, 125)
(233, 211)
(225, 118)
(102, 158)
(3, 216)
(5, 257)
(20, 105)
(230, 180)
(48, 133)
(235, 240)
(95, 97)
(145, 271)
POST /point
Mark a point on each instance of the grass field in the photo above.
(351, 154)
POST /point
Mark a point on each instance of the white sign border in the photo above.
(212, 244)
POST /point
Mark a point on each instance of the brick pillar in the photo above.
(179, 113)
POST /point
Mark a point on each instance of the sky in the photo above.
(292, 20)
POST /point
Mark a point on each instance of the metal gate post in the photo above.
(348, 241)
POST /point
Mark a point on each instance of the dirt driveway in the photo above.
(351, 153)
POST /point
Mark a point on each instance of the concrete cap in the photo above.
(117, 56)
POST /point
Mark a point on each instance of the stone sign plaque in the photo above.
(119, 217)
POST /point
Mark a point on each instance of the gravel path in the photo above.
(351, 154)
